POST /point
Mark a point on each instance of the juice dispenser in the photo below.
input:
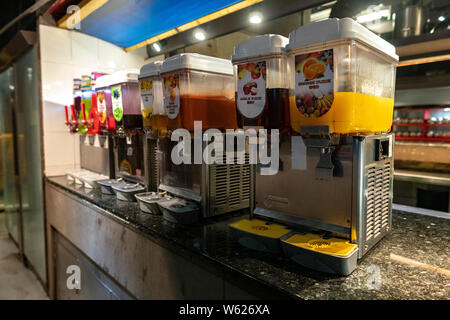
(200, 88)
(342, 76)
(85, 100)
(155, 121)
(104, 104)
(126, 108)
(331, 200)
(262, 89)
(107, 123)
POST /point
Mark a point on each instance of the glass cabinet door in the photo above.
(7, 154)
(29, 147)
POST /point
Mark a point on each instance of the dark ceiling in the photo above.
(10, 10)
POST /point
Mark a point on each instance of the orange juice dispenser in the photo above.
(155, 121)
(126, 110)
(199, 88)
(262, 87)
(331, 200)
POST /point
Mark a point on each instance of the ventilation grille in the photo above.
(230, 184)
(378, 200)
(154, 173)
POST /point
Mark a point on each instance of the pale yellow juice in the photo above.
(350, 113)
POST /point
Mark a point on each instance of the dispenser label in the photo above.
(146, 99)
(171, 96)
(251, 89)
(314, 83)
(116, 97)
(101, 106)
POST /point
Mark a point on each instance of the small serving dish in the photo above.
(106, 185)
(126, 191)
(179, 210)
(148, 201)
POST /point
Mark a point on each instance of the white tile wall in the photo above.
(66, 55)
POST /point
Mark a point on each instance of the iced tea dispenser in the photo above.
(199, 88)
(342, 76)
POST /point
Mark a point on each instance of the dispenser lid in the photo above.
(198, 62)
(335, 29)
(128, 187)
(150, 69)
(264, 45)
(123, 76)
(103, 81)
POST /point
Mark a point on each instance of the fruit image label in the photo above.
(146, 98)
(171, 96)
(117, 105)
(251, 89)
(314, 83)
(101, 106)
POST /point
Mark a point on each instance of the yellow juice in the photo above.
(160, 123)
(350, 113)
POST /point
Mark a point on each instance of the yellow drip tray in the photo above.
(261, 228)
(259, 235)
(314, 242)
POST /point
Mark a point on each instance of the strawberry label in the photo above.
(101, 106)
(171, 96)
(314, 83)
(251, 88)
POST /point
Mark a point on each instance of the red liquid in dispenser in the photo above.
(275, 114)
(262, 89)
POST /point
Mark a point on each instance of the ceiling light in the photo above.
(199, 35)
(441, 18)
(255, 18)
(156, 47)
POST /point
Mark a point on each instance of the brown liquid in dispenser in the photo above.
(215, 111)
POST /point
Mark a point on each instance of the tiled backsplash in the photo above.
(66, 55)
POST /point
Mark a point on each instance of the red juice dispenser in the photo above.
(262, 89)
(104, 103)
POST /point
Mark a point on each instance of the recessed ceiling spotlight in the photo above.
(199, 34)
(441, 18)
(156, 47)
(255, 18)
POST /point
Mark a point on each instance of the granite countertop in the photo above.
(413, 262)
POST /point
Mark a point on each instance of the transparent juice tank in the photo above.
(125, 99)
(262, 86)
(341, 75)
(199, 88)
(152, 99)
(104, 102)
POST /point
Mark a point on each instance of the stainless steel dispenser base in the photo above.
(356, 200)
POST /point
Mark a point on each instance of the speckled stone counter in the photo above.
(413, 262)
